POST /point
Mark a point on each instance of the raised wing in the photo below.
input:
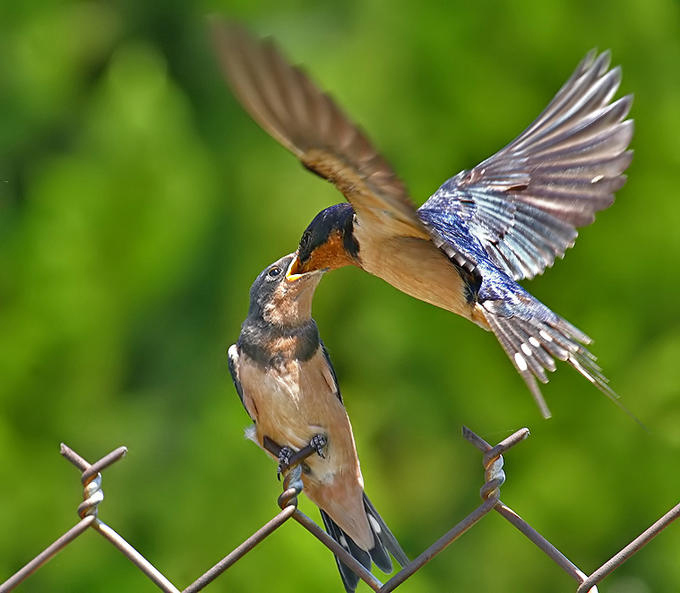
(524, 203)
(284, 101)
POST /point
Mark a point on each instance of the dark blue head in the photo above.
(328, 242)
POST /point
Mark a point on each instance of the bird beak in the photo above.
(294, 272)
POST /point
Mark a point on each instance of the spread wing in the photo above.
(287, 104)
(524, 203)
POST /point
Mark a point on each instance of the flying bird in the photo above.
(483, 230)
(286, 382)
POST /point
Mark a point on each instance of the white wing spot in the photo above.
(534, 342)
(343, 542)
(521, 363)
(597, 178)
(374, 523)
(545, 335)
(526, 349)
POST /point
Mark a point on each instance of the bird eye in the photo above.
(274, 272)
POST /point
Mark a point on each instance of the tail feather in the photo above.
(349, 579)
(384, 544)
(383, 534)
(534, 336)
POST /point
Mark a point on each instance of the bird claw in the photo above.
(318, 442)
(285, 457)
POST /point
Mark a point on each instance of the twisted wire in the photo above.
(494, 478)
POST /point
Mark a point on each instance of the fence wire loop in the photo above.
(92, 496)
(293, 478)
(90, 478)
(292, 486)
(492, 460)
(494, 478)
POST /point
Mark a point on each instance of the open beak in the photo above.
(293, 271)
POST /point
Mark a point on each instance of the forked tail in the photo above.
(533, 337)
(384, 544)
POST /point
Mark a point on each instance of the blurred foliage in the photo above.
(138, 202)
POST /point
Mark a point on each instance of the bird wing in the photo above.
(524, 203)
(288, 105)
(233, 359)
(329, 373)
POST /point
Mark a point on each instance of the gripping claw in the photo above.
(285, 456)
(318, 442)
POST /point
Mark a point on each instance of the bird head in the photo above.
(281, 297)
(328, 242)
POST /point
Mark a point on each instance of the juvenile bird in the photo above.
(484, 229)
(287, 384)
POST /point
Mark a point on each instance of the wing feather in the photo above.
(306, 121)
(524, 203)
(233, 362)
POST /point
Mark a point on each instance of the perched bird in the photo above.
(287, 384)
(484, 229)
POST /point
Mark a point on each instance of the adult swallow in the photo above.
(287, 384)
(484, 229)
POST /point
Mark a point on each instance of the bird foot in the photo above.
(285, 457)
(318, 442)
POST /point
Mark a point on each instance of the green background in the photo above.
(138, 202)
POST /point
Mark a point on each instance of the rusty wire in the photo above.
(494, 477)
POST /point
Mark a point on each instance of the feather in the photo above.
(523, 204)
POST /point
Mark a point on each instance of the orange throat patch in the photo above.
(330, 255)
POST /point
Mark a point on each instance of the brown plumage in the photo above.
(287, 385)
(463, 250)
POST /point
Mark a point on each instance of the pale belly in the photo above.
(284, 414)
(292, 405)
(419, 269)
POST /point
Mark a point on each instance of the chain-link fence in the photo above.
(494, 477)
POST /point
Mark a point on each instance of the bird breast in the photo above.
(290, 403)
(294, 400)
(416, 267)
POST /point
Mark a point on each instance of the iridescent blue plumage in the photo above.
(530, 333)
(524, 203)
